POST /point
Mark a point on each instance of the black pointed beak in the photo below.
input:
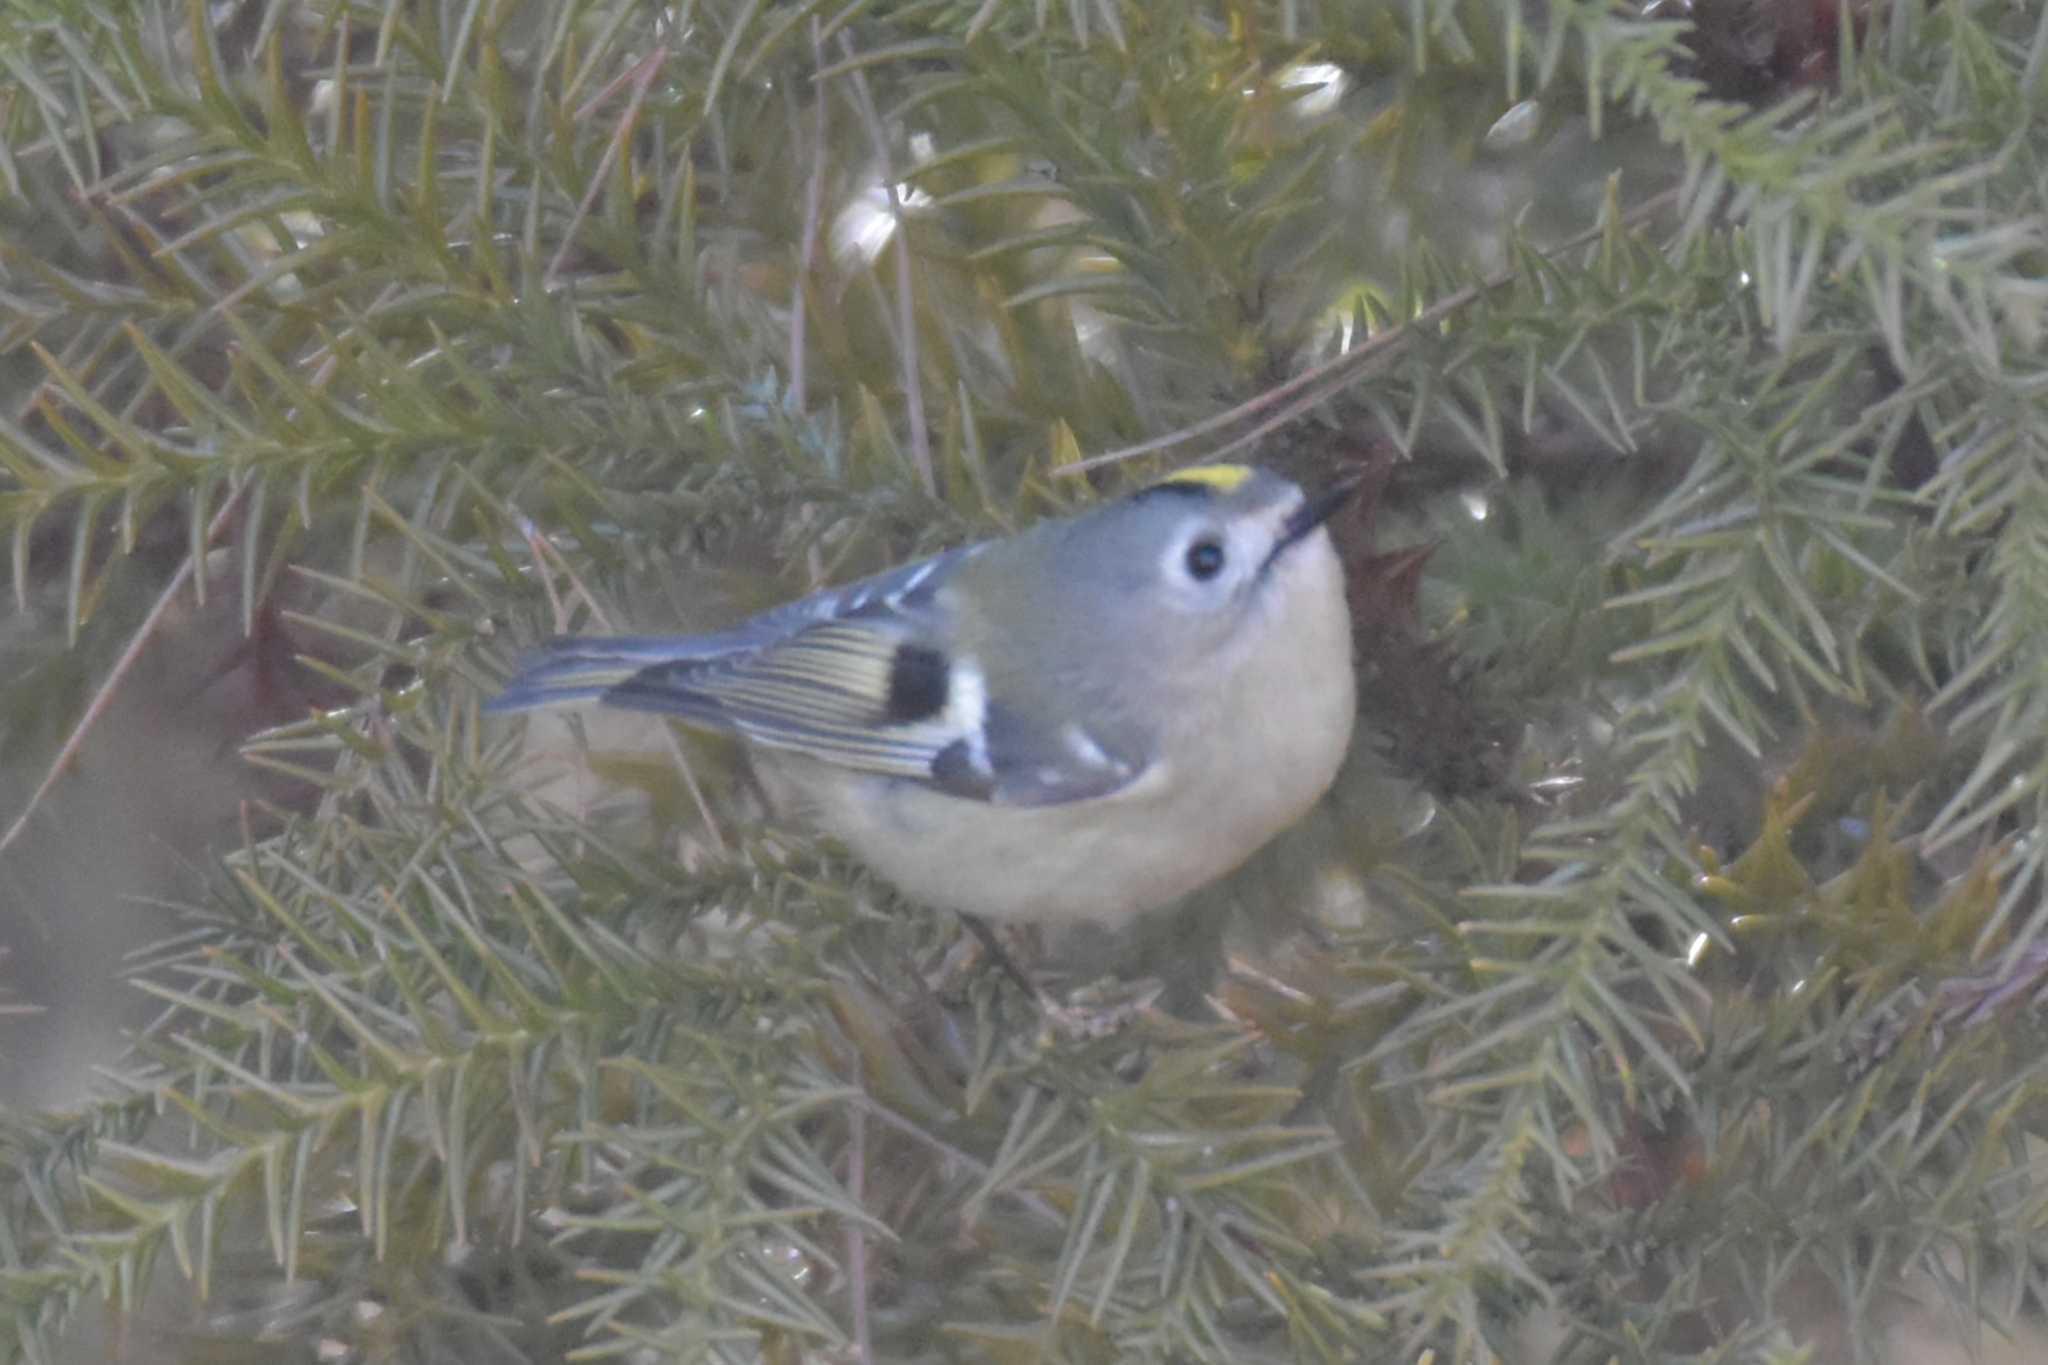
(1314, 512)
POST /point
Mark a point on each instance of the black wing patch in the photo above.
(918, 684)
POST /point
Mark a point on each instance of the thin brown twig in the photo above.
(1323, 380)
(683, 766)
(640, 75)
(542, 552)
(1037, 1205)
(807, 249)
(856, 1235)
(144, 633)
(814, 198)
(906, 310)
(547, 556)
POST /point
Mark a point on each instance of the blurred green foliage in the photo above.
(1659, 981)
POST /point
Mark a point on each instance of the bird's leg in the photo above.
(1090, 1012)
(998, 954)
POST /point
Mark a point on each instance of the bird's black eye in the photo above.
(1205, 560)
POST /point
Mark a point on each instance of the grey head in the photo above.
(1171, 570)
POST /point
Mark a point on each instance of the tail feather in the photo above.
(570, 670)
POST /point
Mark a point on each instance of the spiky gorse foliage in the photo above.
(1690, 1007)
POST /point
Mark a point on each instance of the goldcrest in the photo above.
(1083, 721)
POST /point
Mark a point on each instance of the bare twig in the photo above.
(558, 610)
(807, 249)
(144, 633)
(906, 313)
(856, 1236)
(1313, 385)
(1044, 1211)
(546, 556)
(711, 827)
(640, 75)
(814, 197)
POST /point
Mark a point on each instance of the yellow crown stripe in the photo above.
(1224, 478)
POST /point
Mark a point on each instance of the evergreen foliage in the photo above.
(1659, 983)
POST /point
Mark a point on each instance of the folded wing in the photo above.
(857, 677)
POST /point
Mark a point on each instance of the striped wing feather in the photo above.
(823, 692)
(817, 676)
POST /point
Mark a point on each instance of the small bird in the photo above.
(1080, 722)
